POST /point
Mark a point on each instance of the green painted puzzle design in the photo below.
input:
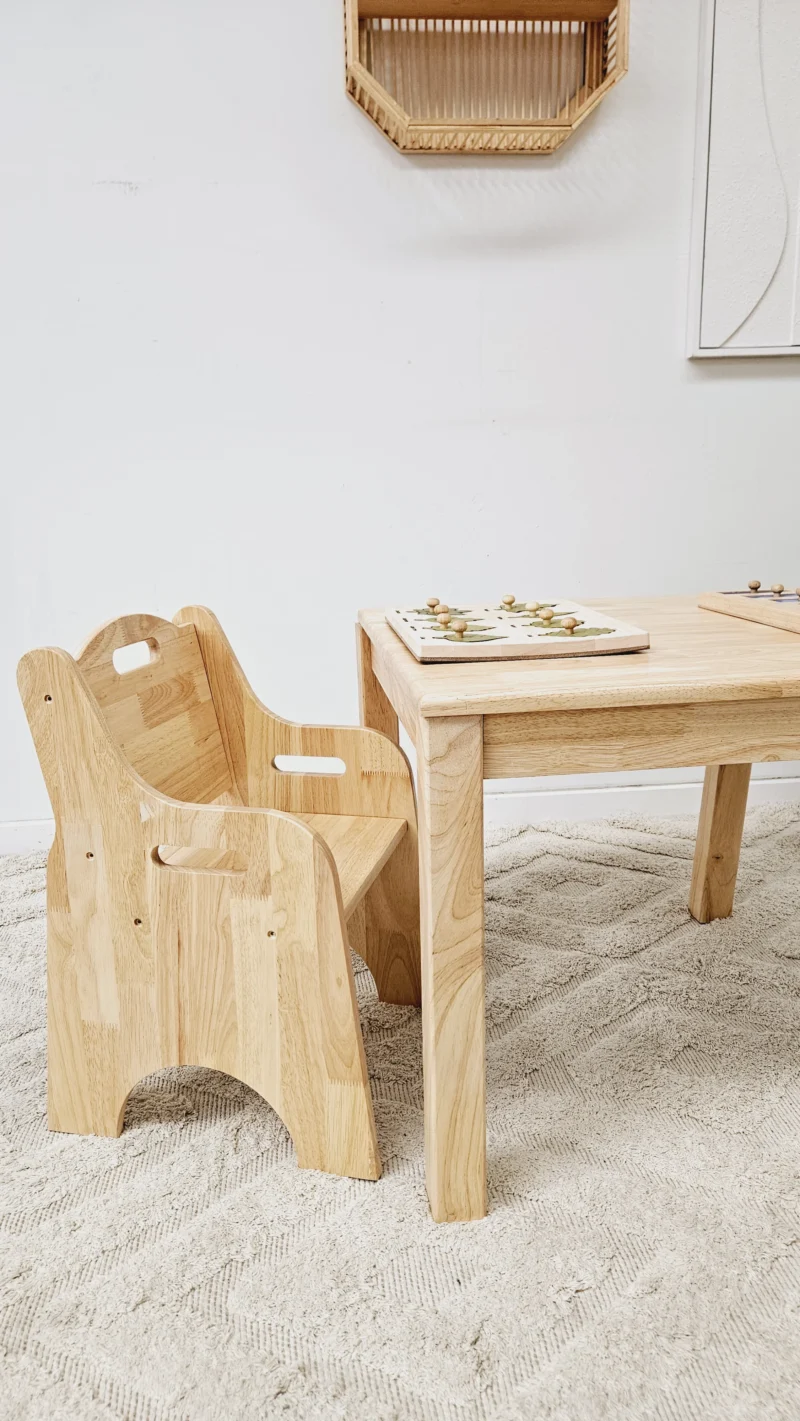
(522, 607)
(471, 636)
(583, 631)
(538, 623)
(426, 612)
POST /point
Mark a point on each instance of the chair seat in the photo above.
(360, 846)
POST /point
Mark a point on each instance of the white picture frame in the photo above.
(731, 218)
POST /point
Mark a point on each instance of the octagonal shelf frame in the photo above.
(483, 76)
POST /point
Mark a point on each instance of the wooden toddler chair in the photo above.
(198, 896)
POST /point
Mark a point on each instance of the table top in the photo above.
(694, 656)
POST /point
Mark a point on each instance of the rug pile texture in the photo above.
(641, 1259)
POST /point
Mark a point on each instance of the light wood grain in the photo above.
(719, 841)
(391, 677)
(595, 64)
(479, 76)
(486, 9)
(388, 929)
(376, 780)
(161, 715)
(640, 738)
(376, 783)
(360, 847)
(618, 37)
(767, 611)
(450, 781)
(710, 689)
(392, 926)
(376, 710)
(152, 966)
(213, 932)
(694, 656)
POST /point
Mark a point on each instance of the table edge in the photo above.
(432, 705)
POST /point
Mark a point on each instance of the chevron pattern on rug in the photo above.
(641, 1257)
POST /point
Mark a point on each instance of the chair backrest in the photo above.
(161, 715)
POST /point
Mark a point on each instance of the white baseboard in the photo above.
(26, 836)
(607, 801)
(523, 806)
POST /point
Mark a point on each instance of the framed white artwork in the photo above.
(745, 266)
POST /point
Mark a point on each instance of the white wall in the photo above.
(253, 357)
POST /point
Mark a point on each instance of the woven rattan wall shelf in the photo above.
(483, 76)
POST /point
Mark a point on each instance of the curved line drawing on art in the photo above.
(747, 214)
(771, 130)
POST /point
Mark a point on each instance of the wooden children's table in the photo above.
(712, 690)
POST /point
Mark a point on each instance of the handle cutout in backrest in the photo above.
(199, 860)
(133, 656)
(122, 633)
(309, 765)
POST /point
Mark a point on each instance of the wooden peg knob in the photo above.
(569, 624)
(776, 589)
(440, 608)
(458, 627)
(754, 586)
(443, 619)
(432, 602)
(547, 614)
(532, 607)
(509, 600)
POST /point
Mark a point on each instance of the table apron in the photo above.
(640, 738)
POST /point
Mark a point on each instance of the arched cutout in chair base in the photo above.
(341, 1152)
(196, 1095)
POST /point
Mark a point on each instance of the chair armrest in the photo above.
(377, 776)
(252, 845)
(104, 805)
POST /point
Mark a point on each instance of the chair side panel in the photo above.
(377, 780)
(103, 1017)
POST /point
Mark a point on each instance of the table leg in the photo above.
(386, 927)
(377, 713)
(450, 795)
(719, 840)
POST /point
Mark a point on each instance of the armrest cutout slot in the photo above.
(199, 860)
(309, 765)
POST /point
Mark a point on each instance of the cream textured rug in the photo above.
(642, 1255)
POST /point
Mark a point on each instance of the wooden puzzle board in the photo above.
(774, 611)
(506, 633)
